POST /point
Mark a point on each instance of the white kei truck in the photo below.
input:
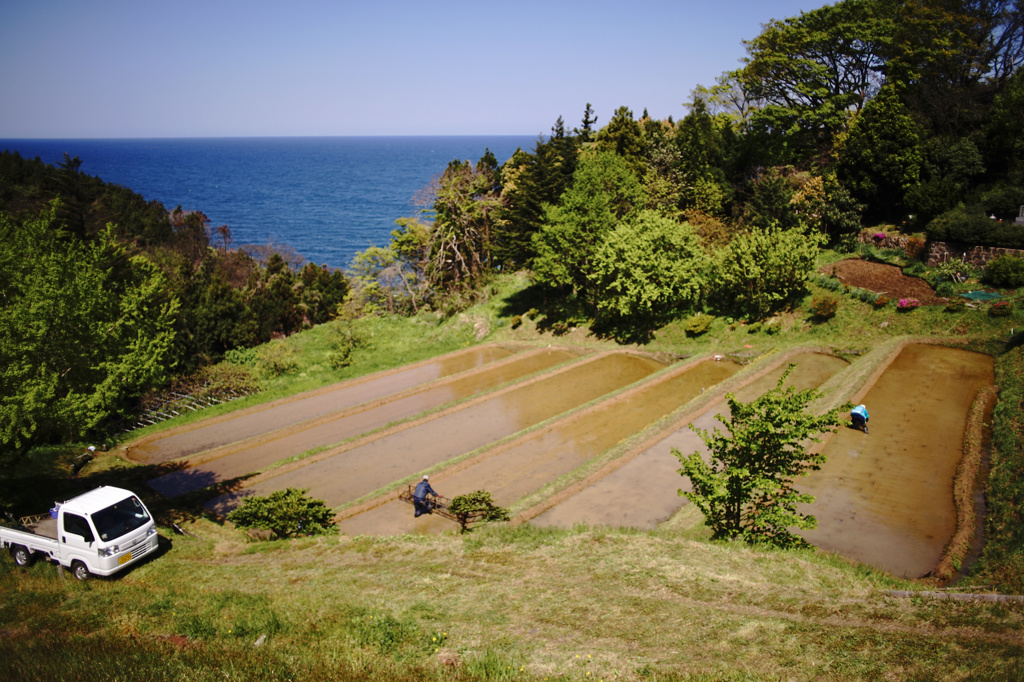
(97, 533)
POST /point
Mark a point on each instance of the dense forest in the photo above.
(906, 114)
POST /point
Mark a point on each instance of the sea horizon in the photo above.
(325, 197)
(258, 137)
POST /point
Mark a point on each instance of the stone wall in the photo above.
(942, 252)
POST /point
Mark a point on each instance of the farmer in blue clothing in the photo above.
(419, 497)
(859, 415)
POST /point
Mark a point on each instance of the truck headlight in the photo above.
(109, 551)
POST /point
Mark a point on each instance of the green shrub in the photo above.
(974, 227)
(946, 289)
(824, 307)
(475, 508)
(517, 321)
(698, 324)
(915, 269)
(345, 339)
(288, 513)
(847, 243)
(276, 358)
(1006, 271)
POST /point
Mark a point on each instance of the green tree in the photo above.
(529, 182)
(649, 269)
(84, 329)
(393, 279)
(466, 198)
(288, 513)
(624, 136)
(701, 140)
(880, 159)
(763, 271)
(747, 490)
(807, 74)
(951, 56)
(604, 191)
(1004, 133)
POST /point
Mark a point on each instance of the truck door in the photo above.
(76, 539)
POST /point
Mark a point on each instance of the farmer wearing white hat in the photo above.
(419, 497)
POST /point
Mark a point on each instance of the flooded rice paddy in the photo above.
(644, 491)
(886, 498)
(343, 475)
(234, 427)
(262, 450)
(531, 462)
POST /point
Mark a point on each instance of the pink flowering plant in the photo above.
(1000, 309)
(906, 304)
(880, 236)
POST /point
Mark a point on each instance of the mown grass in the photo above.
(506, 602)
(519, 602)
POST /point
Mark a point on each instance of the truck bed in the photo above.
(45, 527)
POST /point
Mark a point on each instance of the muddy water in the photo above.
(644, 491)
(279, 414)
(537, 459)
(886, 498)
(361, 469)
(253, 454)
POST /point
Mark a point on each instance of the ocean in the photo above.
(325, 197)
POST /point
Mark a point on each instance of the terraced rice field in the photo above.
(575, 437)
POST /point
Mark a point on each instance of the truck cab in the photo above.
(106, 528)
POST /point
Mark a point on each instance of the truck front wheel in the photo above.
(80, 570)
(21, 555)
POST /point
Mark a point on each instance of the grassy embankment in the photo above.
(519, 602)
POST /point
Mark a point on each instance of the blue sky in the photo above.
(112, 68)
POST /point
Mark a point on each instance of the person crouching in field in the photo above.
(859, 416)
(419, 498)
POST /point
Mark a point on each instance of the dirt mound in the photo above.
(883, 279)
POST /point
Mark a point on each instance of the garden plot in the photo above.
(201, 436)
(886, 498)
(344, 474)
(531, 462)
(253, 454)
(643, 492)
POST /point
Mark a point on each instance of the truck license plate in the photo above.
(125, 558)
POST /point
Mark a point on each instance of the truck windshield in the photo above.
(120, 518)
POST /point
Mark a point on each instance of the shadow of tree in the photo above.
(1016, 341)
(33, 492)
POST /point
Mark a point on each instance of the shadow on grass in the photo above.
(558, 312)
(1016, 341)
(32, 491)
